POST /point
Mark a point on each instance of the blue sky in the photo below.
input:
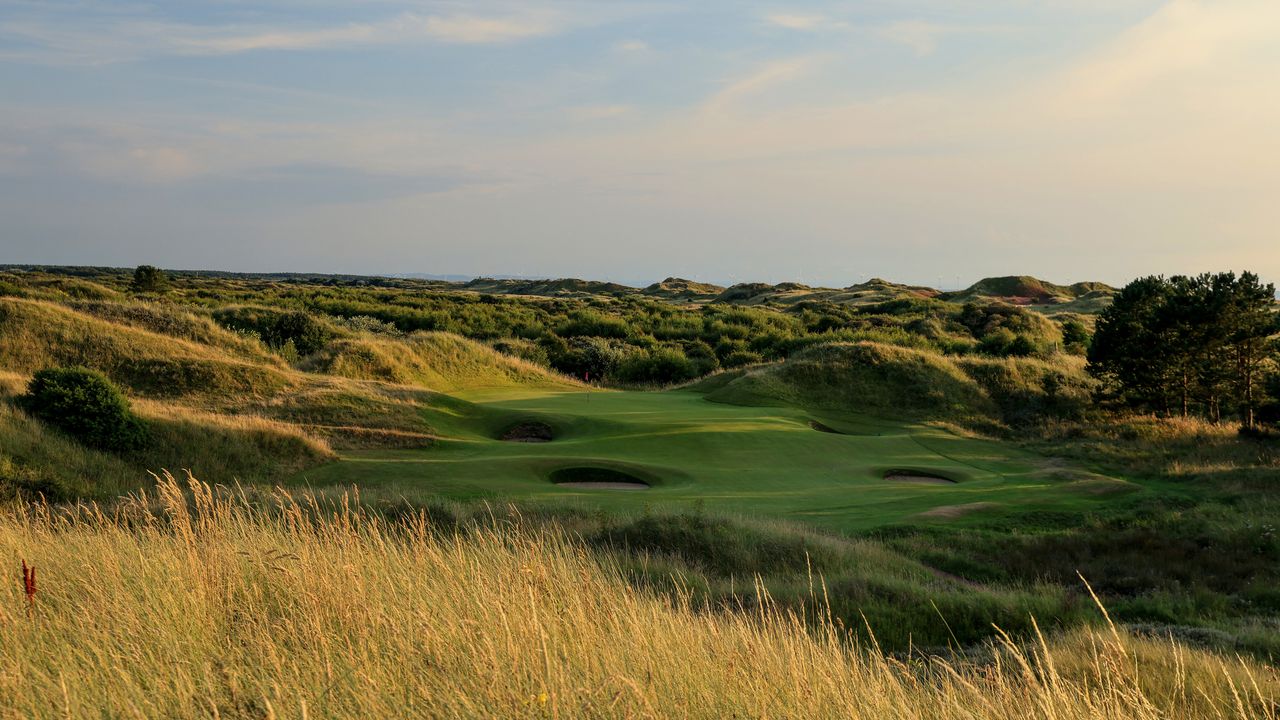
(827, 142)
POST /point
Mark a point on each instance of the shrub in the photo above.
(8, 289)
(592, 324)
(523, 349)
(587, 356)
(661, 366)
(149, 279)
(368, 324)
(1075, 337)
(85, 405)
(738, 358)
(278, 327)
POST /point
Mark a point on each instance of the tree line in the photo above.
(1189, 345)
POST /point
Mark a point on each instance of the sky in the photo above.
(924, 141)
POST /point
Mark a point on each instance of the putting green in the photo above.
(726, 458)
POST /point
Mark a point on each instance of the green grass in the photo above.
(695, 453)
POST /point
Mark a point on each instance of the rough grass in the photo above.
(179, 322)
(883, 380)
(202, 606)
(37, 334)
(36, 460)
(162, 353)
(227, 448)
(441, 361)
(898, 382)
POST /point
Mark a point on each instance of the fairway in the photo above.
(770, 461)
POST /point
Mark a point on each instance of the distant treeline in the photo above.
(1185, 345)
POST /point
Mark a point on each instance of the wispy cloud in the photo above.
(793, 21)
(919, 36)
(632, 46)
(131, 38)
(760, 79)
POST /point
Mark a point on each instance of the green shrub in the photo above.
(1075, 337)
(660, 366)
(592, 357)
(523, 349)
(149, 279)
(279, 327)
(84, 404)
(592, 324)
(8, 289)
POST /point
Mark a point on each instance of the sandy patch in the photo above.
(950, 512)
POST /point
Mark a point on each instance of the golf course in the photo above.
(631, 451)
(477, 490)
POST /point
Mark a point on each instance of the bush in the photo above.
(661, 366)
(591, 324)
(149, 279)
(279, 327)
(586, 357)
(85, 405)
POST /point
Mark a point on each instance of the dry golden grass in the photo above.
(197, 603)
(441, 361)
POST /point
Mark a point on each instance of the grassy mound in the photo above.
(1027, 290)
(440, 361)
(883, 380)
(674, 288)
(36, 460)
(564, 287)
(897, 382)
(227, 448)
(196, 603)
(180, 323)
(55, 287)
(36, 334)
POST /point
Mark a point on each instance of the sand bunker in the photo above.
(594, 478)
(530, 432)
(824, 428)
(916, 477)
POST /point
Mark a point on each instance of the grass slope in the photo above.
(441, 361)
(1081, 297)
(897, 382)
(37, 334)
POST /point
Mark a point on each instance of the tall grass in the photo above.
(196, 602)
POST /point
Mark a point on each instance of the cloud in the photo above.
(471, 29)
(769, 75)
(798, 22)
(632, 46)
(405, 28)
(919, 36)
(1183, 45)
(117, 39)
